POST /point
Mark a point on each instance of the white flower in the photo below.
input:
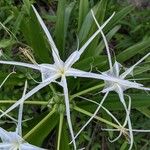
(119, 84)
(14, 140)
(60, 69)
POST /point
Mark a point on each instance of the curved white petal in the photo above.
(29, 94)
(129, 70)
(108, 89)
(5, 146)
(65, 89)
(20, 113)
(116, 68)
(76, 55)
(115, 139)
(107, 111)
(94, 114)
(142, 88)
(47, 70)
(4, 135)
(81, 50)
(72, 59)
(55, 52)
(105, 41)
(79, 73)
(121, 96)
(20, 64)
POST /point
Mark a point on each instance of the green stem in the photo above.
(26, 102)
(60, 130)
(96, 117)
(45, 103)
(52, 88)
(39, 124)
(86, 91)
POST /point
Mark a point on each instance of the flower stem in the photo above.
(60, 130)
(26, 102)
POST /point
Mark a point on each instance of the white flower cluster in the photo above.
(114, 81)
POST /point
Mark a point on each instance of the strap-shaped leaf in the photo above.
(42, 129)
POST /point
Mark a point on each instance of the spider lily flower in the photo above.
(51, 72)
(119, 84)
(120, 87)
(14, 140)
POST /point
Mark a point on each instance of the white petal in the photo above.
(115, 139)
(47, 70)
(4, 135)
(108, 89)
(29, 94)
(116, 68)
(55, 52)
(65, 89)
(20, 64)
(121, 96)
(5, 146)
(72, 59)
(134, 130)
(94, 114)
(105, 41)
(142, 88)
(129, 70)
(79, 73)
(124, 124)
(94, 35)
(107, 111)
(9, 137)
(76, 55)
(20, 113)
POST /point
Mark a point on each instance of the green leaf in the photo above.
(99, 14)
(83, 10)
(68, 12)
(145, 111)
(118, 17)
(113, 102)
(60, 130)
(89, 27)
(60, 25)
(133, 50)
(17, 23)
(64, 144)
(62, 22)
(6, 42)
(35, 37)
(41, 130)
(90, 62)
(110, 34)
(124, 146)
(27, 5)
